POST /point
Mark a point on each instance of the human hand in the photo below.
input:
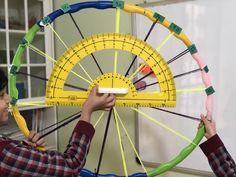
(96, 101)
(210, 126)
(35, 140)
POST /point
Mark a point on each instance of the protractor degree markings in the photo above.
(154, 58)
(103, 40)
(150, 54)
(121, 41)
(146, 49)
(168, 62)
(68, 60)
(94, 42)
(107, 40)
(176, 76)
(45, 79)
(56, 78)
(148, 85)
(66, 97)
(135, 57)
(161, 72)
(162, 69)
(145, 99)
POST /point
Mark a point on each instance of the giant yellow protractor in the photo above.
(56, 95)
(164, 96)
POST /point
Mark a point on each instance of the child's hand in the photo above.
(35, 140)
(210, 126)
(96, 102)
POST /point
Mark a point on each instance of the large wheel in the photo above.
(59, 92)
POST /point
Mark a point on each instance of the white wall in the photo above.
(210, 27)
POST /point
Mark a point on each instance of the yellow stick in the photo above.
(164, 126)
(117, 31)
(132, 144)
(99, 119)
(120, 142)
(165, 41)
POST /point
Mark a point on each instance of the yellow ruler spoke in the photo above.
(115, 61)
(35, 49)
(165, 41)
(132, 144)
(137, 71)
(117, 20)
(164, 126)
(117, 31)
(32, 103)
(50, 58)
(120, 143)
(58, 37)
(190, 90)
(99, 119)
(85, 72)
(86, 80)
(67, 49)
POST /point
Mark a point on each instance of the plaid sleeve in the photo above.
(22, 160)
(219, 158)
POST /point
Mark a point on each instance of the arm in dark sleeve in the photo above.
(218, 157)
(22, 160)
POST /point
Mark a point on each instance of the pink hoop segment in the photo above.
(207, 82)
